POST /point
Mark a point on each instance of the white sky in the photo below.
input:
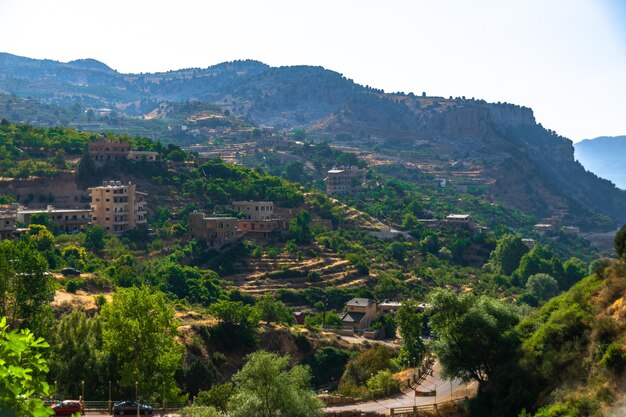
(564, 58)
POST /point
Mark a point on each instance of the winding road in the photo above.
(446, 390)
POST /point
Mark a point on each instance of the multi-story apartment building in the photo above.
(68, 220)
(118, 208)
(344, 180)
(104, 150)
(216, 231)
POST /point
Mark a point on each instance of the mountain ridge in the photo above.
(521, 162)
(605, 156)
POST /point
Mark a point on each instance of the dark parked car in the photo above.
(66, 407)
(70, 271)
(129, 408)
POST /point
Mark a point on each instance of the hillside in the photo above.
(519, 161)
(575, 347)
(604, 156)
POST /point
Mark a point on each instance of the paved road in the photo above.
(446, 390)
(156, 414)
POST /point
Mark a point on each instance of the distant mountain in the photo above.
(604, 156)
(521, 162)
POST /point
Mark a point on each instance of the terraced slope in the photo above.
(263, 274)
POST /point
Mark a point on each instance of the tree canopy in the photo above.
(266, 387)
(473, 334)
(139, 331)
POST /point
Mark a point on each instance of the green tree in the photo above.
(237, 325)
(410, 320)
(87, 172)
(77, 355)
(474, 334)
(25, 290)
(542, 286)
(300, 228)
(508, 253)
(574, 270)
(273, 311)
(40, 218)
(397, 250)
(294, 171)
(22, 373)
(266, 387)
(139, 333)
(620, 242)
(41, 237)
(94, 238)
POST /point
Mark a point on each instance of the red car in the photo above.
(66, 407)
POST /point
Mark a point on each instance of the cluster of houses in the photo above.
(258, 218)
(115, 206)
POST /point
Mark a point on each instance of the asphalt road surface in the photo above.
(446, 390)
(155, 414)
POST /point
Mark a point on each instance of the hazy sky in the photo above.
(564, 58)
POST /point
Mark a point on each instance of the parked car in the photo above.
(129, 408)
(66, 407)
(70, 271)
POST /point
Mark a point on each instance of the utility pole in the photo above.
(137, 396)
(110, 397)
(82, 397)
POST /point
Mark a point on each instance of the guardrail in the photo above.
(106, 406)
(419, 375)
(414, 410)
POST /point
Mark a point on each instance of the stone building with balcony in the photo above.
(259, 218)
(118, 207)
(344, 180)
(215, 231)
(104, 150)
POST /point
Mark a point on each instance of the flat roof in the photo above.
(458, 216)
(35, 211)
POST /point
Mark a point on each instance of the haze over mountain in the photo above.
(525, 164)
(605, 156)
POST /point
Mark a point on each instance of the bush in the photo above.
(217, 396)
(74, 285)
(199, 411)
(313, 276)
(384, 382)
(614, 359)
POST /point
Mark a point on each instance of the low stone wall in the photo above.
(352, 413)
